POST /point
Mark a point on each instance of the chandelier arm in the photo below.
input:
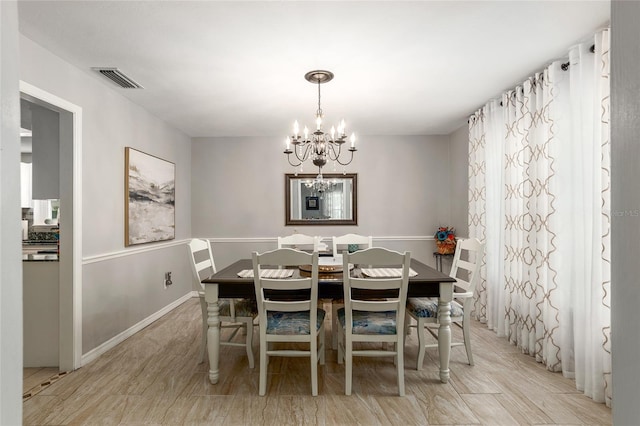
(332, 149)
(305, 154)
(348, 162)
(289, 160)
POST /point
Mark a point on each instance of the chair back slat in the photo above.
(376, 283)
(287, 306)
(375, 306)
(288, 284)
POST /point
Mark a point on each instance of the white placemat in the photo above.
(267, 273)
(386, 272)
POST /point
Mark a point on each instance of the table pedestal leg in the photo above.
(213, 331)
(444, 331)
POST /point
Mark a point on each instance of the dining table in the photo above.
(226, 283)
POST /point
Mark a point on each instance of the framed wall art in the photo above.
(149, 198)
(313, 203)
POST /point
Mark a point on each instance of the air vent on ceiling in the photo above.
(118, 77)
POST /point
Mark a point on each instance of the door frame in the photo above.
(70, 289)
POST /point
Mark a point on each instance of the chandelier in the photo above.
(320, 185)
(321, 147)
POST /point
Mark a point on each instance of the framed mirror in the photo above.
(332, 201)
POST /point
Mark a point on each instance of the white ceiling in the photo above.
(214, 68)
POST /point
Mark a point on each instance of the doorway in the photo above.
(70, 222)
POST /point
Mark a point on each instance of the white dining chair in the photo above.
(299, 242)
(358, 242)
(236, 314)
(339, 244)
(283, 319)
(425, 310)
(373, 320)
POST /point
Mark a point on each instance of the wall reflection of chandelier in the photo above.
(320, 185)
(321, 147)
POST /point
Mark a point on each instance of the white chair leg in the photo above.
(421, 343)
(348, 369)
(340, 345)
(334, 324)
(205, 327)
(400, 364)
(249, 342)
(203, 344)
(322, 348)
(395, 349)
(466, 333)
(407, 329)
(262, 389)
(314, 367)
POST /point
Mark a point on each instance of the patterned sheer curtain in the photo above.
(539, 199)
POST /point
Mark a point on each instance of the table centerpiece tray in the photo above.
(327, 265)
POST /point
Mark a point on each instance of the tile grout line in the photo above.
(38, 388)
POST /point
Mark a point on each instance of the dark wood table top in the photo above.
(230, 285)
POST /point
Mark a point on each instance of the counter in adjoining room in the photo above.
(41, 309)
(40, 257)
(40, 251)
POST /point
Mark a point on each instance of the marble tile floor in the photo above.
(153, 378)
(34, 379)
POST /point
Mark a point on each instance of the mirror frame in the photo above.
(288, 220)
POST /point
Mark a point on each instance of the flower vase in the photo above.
(446, 247)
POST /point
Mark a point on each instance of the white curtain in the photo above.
(539, 199)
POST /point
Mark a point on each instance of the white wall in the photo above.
(10, 261)
(625, 204)
(121, 295)
(459, 175)
(238, 193)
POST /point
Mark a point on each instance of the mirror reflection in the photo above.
(329, 199)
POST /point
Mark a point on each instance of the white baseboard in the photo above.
(116, 340)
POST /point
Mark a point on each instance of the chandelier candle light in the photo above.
(319, 146)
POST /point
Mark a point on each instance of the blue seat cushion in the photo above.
(291, 323)
(244, 307)
(427, 307)
(365, 322)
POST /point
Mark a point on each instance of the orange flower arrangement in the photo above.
(445, 240)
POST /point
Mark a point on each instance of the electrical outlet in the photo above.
(167, 279)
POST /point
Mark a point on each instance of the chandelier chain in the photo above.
(319, 108)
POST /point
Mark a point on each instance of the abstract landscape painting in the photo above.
(150, 198)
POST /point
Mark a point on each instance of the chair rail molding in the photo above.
(131, 251)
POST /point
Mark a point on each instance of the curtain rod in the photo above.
(565, 66)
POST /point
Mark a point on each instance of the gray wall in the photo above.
(45, 143)
(10, 261)
(625, 202)
(459, 175)
(238, 193)
(130, 288)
